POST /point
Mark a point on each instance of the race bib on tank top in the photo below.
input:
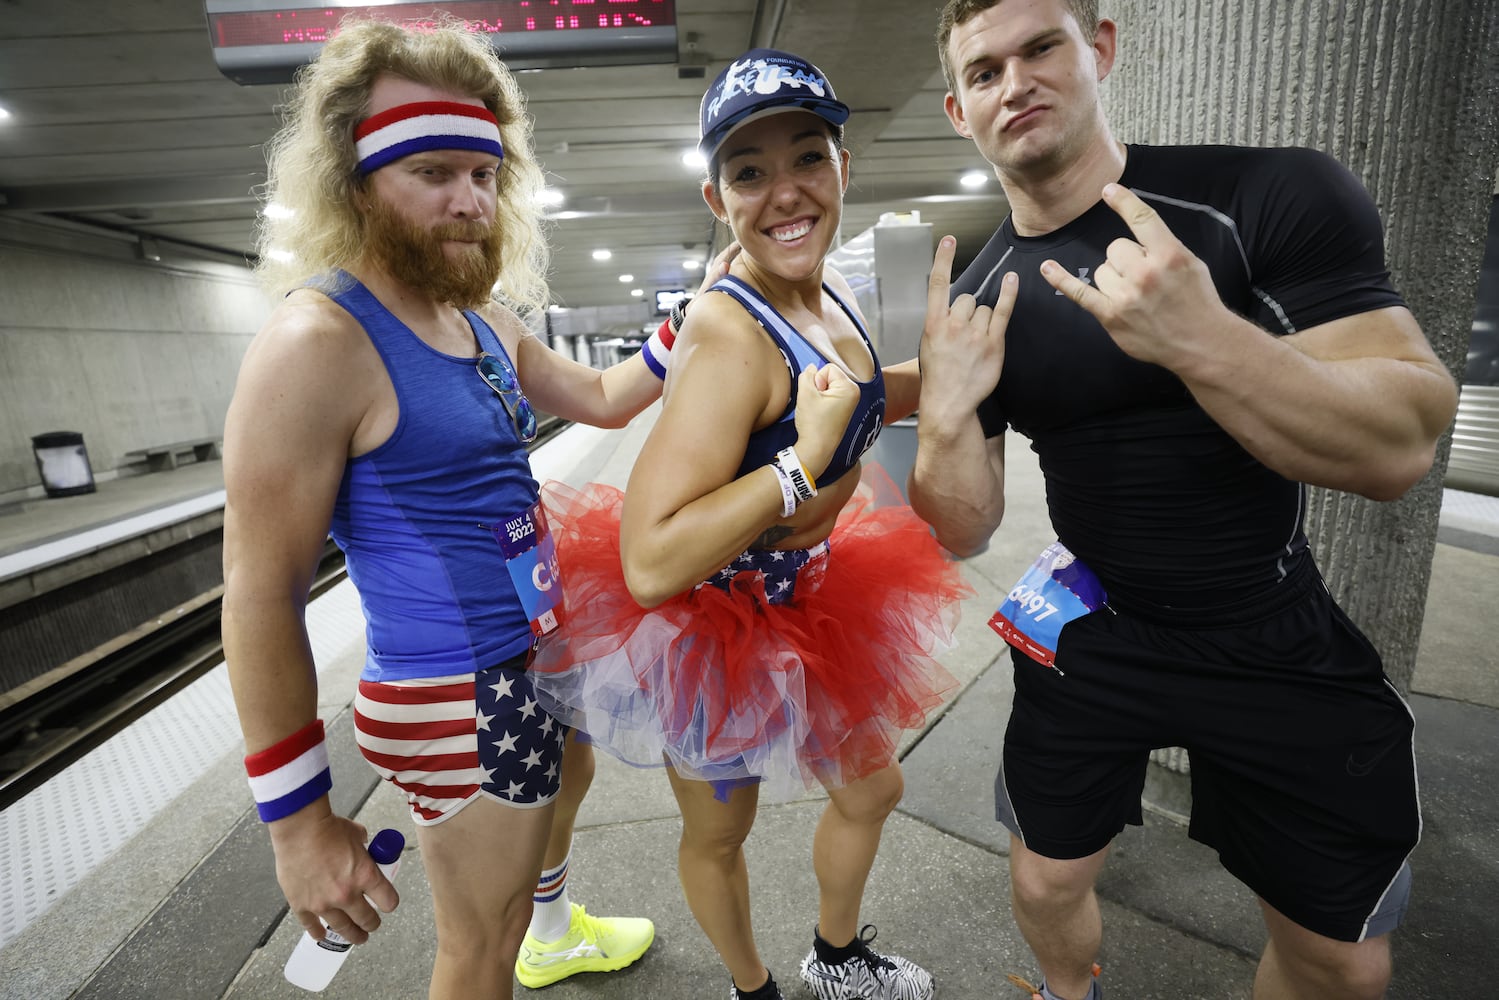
(531, 558)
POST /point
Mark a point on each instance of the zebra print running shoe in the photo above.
(867, 975)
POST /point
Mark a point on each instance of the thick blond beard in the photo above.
(414, 255)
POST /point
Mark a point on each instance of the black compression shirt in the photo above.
(1141, 484)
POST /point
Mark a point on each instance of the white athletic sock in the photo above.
(554, 912)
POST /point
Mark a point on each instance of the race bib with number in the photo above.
(531, 558)
(1056, 589)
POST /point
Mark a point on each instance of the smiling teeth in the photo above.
(794, 233)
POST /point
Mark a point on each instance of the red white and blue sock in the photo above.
(553, 911)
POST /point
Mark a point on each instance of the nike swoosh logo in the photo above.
(1361, 768)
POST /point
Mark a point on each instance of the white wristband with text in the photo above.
(788, 492)
(789, 463)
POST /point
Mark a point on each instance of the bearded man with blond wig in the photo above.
(377, 404)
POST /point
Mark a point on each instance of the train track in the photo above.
(44, 733)
(53, 727)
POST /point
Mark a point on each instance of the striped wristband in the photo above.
(291, 774)
(657, 349)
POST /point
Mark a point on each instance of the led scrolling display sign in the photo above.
(264, 41)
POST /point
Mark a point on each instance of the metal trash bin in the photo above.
(62, 461)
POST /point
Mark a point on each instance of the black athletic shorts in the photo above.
(1302, 763)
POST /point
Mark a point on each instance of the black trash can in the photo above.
(62, 460)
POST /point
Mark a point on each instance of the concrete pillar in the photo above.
(1406, 94)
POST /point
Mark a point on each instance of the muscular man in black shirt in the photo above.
(1187, 336)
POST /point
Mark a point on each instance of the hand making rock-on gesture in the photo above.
(963, 344)
(1151, 293)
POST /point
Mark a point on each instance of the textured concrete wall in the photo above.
(126, 352)
(1406, 94)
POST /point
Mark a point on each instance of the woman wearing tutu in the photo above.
(747, 613)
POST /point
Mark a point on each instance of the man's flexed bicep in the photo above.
(1355, 404)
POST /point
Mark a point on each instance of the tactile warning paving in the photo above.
(52, 838)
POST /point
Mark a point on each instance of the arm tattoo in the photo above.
(772, 535)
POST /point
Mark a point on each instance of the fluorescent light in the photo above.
(692, 158)
(691, 265)
(550, 197)
(275, 210)
(974, 179)
(637, 292)
(625, 279)
(4, 114)
(602, 254)
(284, 256)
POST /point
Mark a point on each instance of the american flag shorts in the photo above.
(444, 740)
(781, 570)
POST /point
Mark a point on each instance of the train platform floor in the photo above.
(43, 530)
(141, 871)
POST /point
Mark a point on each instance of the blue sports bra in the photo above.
(869, 415)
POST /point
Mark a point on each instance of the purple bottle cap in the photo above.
(387, 846)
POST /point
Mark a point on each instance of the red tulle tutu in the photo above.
(727, 686)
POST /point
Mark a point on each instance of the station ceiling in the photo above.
(120, 120)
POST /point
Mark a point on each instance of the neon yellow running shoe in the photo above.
(591, 944)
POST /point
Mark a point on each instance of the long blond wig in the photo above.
(312, 170)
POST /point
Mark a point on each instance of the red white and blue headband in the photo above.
(423, 125)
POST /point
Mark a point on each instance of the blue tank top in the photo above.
(413, 516)
(869, 415)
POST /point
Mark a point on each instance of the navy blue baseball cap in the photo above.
(759, 83)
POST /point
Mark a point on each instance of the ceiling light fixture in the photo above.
(550, 197)
(602, 254)
(691, 265)
(637, 292)
(692, 64)
(625, 279)
(974, 179)
(692, 158)
(4, 114)
(276, 210)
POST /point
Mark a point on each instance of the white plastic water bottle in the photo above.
(313, 963)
